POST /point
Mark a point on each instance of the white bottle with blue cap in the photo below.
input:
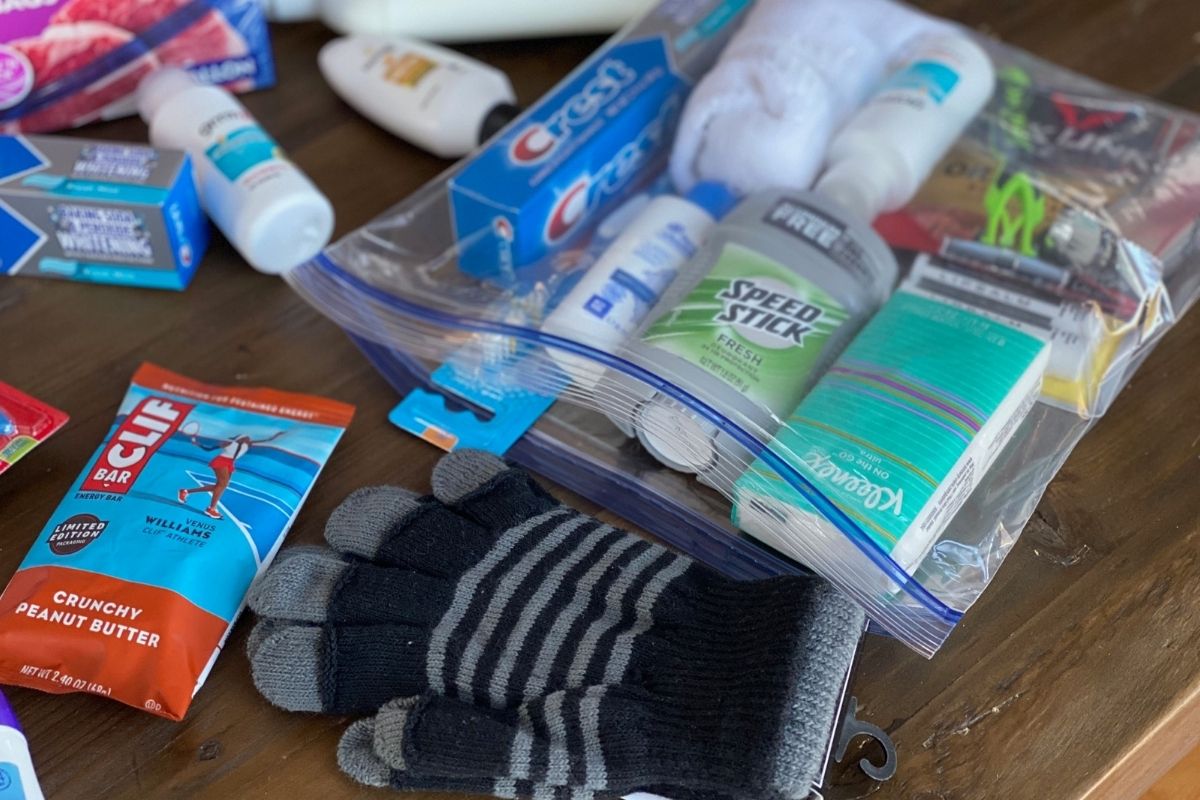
(612, 299)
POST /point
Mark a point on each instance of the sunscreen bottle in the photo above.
(435, 98)
(887, 149)
(18, 781)
(267, 208)
(615, 295)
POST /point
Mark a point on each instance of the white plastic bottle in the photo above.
(461, 20)
(267, 208)
(18, 781)
(612, 299)
(435, 98)
(887, 148)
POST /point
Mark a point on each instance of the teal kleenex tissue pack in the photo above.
(901, 429)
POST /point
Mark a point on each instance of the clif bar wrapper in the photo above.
(136, 579)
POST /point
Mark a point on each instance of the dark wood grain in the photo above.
(1082, 658)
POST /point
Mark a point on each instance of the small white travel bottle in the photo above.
(617, 292)
(435, 98)
(879, 159)
(268, 209)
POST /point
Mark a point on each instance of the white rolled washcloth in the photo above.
(764, 114)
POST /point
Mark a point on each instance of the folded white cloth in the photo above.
(763, 116)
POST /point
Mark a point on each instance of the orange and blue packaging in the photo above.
(136, 579)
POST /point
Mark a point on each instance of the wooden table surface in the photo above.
(1077, 675)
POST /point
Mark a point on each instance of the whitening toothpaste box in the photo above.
(532, 190)
(65, 63)
(101, 212)
(899, 431)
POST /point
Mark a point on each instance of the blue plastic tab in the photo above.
(514, 411)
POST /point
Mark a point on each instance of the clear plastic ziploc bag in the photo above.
(801, 393)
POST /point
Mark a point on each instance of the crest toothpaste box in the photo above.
(65, 63)
(532, 189)
(101, 212)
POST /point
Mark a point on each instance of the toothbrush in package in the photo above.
(25, 422)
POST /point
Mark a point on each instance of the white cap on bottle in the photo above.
(288, 232)
(292, 10)
(676, 437)
(160, 86)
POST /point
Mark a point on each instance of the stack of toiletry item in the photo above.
(609, 303)
(431, 96)
(755, 320)
(99, 212)
(474, 273)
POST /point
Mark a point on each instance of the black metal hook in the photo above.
(853, 727)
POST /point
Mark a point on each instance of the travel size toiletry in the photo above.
(582, 148)
(612, 299)
(879, 159)
(267, 208)
(783, 283)
(900, 431)
(435, 98)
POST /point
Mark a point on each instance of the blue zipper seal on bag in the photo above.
(844, 523)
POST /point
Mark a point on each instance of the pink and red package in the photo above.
(65, 63)
(25, 422)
